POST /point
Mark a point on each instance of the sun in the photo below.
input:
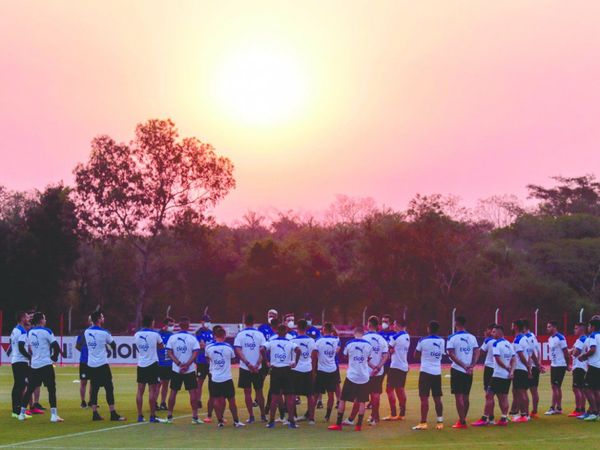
(261, 85)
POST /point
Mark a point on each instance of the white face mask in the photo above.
(385, 325)
(170, 328)
(309, 323)
(207, 325)
(291, 324)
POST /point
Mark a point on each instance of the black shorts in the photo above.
(100, 376)
(281, 381)
(43, 375)
(487, 377)
(188, 380)
(302, 383)
(386, 368)
(21, 372)
(396, 378)
(430, 383)
(521, 379)
(534, 381)
(353, 392)
(592, 378)
(578, 378)
(460, 382)
(499, 386)
(376, 384)
(249, 379)
(326, 382)
(165, 373)
(83, 371)
(557, 375)
(264, 370)
(202, 370)
(224, 389)
(148, 375)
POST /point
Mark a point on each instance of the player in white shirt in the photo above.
(19, 360)
(379, 356)
(592, 376)
(247, 348)
(504, 366)
(183, 349)
(148, 342)
(356, 386)
(328, 347)
(429, 351)
(522, 374)
(219, 355)
(283, 355)
(579, 369)
(303, 375)
(98, 340)
(44, 352)
(396, 379)
(536, 368)
(559, 365)
(463, 350)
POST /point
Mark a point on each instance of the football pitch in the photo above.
(78, 431)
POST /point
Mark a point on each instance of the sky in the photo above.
(381, 99)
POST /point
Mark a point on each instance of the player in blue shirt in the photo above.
(164, 362)
(267, 328)
(311, 331)
(205, 336)
(81, 345)
(388, 331)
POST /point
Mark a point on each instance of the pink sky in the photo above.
(471, 98)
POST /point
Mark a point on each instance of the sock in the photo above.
(170, 416)
(504, 417)
(340, 418)
(328, 414)
(195, 417)
(393, 409)
(523, 414)
(23, 410)
(491, 417)
(360, 419)
(403, 411)
(440, 419)
(463, 422)
(484, 418)
(53, 411)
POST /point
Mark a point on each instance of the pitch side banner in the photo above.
(127, 352)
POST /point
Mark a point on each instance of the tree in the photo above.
(575, 195)
(155, 182)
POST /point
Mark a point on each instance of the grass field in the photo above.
(79, 432)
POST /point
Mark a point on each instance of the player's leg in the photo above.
(20, 371)
(391, 395)
(234, 410)
(82, 391)
(139, 400)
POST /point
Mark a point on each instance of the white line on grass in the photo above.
(392, 446)
(81, 433)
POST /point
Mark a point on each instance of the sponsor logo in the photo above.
(143, 346)
(250, 344)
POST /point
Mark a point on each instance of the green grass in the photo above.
(79, 432)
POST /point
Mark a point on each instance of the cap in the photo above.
(273, 311)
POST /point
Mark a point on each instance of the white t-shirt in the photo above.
(183, 345)
(520, 345)
(463, 344)
(40, 340)
(432, 350)
(580, 344)
(358, 352)
(147, 342)
(18, 334)
(288, 336)
(556, 345)
(593, 340)
(327, 347)
(306, 344)
(97, 339)
(488, 347)
(532, 345)
(282, 352)
(400, 342)
(249, 340)
(506, 352)
(380, 347)
(220, 355)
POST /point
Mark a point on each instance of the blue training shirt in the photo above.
(163, 359)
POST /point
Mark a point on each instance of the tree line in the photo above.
(133, 235)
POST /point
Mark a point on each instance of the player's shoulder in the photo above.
(560, 336)
(582, 339)
(499, 341)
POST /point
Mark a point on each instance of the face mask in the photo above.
(385, 325)
(290, 324)
(309, 323)
(170, 328)
(269, 320)
(207, 324)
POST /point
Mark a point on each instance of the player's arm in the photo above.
(315, 361)
(79, 342)
(298, 353)
(454, 358)
(171, 356)
(191, 360)
(475, 357)
(583, 357)
(499, 361)
(240, 354)
(263, 352)
(55, 347)
(23, 350)
(567, 357)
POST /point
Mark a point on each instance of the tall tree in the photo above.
(575, 195)
(155, 182)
